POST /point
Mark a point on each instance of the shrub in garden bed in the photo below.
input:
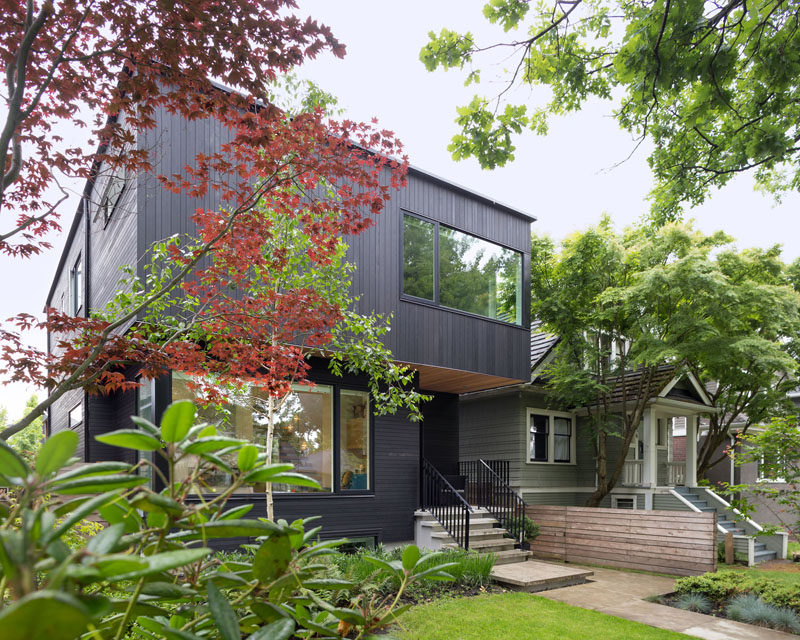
(724, 585)
(470, 572)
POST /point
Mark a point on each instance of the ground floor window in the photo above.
(551, 437)
(323, 430)
(623, 502)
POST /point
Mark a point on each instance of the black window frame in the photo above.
(546, 434)
(118, 174)
(336, 491)
(76, 286)
(70, 423)
(436, 285)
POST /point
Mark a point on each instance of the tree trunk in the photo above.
(270, 436)
(602, 483)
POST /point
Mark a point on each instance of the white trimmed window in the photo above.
(623, 502)
(551, 437)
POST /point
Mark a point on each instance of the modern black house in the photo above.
(451, 265)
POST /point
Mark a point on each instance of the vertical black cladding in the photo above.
(440, 432)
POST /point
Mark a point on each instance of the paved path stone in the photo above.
(621, 594)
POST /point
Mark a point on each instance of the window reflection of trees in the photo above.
(478, 276)
(418, 241)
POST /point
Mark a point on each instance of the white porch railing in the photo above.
(632, 473)
(676, 474)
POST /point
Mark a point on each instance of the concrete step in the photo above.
(764, 556)
(479, 534)
(474, 523)
(534, 575)
(503, 544)
(510, 556)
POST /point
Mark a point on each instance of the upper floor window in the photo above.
(113, 193)
(461, 271)
(76, 287)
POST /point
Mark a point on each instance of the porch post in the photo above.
(650, 463)
(691, 451)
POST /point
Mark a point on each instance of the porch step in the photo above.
(501, 544)
(474, 523)
(474, 536)
(764, 556)
(510, 556)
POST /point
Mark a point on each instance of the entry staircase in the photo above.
(486, 535)
(475, 509)
(746, 538)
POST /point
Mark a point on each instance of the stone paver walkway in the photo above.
(620, 593)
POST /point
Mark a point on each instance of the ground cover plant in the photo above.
(470, 572)
(520, 616)
(754, 596)
(151, 572)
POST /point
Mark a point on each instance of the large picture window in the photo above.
(305, 434)
(551, 437)
(460, 271)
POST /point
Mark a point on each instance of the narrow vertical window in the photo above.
(562, 439)
(539, 437)
(418, 258)
(354, 440)
(76, 286)
(145, 409)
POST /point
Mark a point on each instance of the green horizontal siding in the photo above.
(668, 502)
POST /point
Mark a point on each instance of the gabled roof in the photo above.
(542, 344)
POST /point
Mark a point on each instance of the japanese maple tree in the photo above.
(200, 307)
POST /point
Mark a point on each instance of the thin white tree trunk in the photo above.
(270, 436)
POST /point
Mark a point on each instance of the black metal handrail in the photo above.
(445, 503)
(487, 486)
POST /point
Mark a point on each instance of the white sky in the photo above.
(564, 179)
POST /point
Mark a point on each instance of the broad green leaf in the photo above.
(157, 519)
(11, 464)
(44, 615)
(166, 590)
(55, 452)
(296, 479)
(228, 529)
(272, 558)
(223, 614)
(146, 425)
(215, 443)
(79, 513)
(267, 611)
(163, 629)
(247, 457)
(266, 474)
(278, 630)
(130, 439)
(121, 511)
(163, 562)
(105, 541)
(177, 420)
(91, 469)
(155, 502)
(236, 512)
(96, 484)
(330, 584)
(411, 555)
(112, 565)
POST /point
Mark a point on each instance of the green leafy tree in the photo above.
(28, 441)
(775, 448)
(711, 85)
(150, 572)
(641, 300)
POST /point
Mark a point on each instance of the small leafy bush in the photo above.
(693, 602)
(724, 585)
(151, 573)
(530, 528)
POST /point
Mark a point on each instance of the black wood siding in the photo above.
(440, 432)
(420, 334)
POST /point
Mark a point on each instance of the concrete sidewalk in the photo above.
(620, 593)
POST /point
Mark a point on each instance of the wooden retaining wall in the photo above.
(676, 542)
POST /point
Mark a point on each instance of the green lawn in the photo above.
(518, 615)
(789, 573)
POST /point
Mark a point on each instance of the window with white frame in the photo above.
(623, 502)
(551, 437)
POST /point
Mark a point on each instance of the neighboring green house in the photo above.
(550, 455)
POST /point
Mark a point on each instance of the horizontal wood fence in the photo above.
(676, 542)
